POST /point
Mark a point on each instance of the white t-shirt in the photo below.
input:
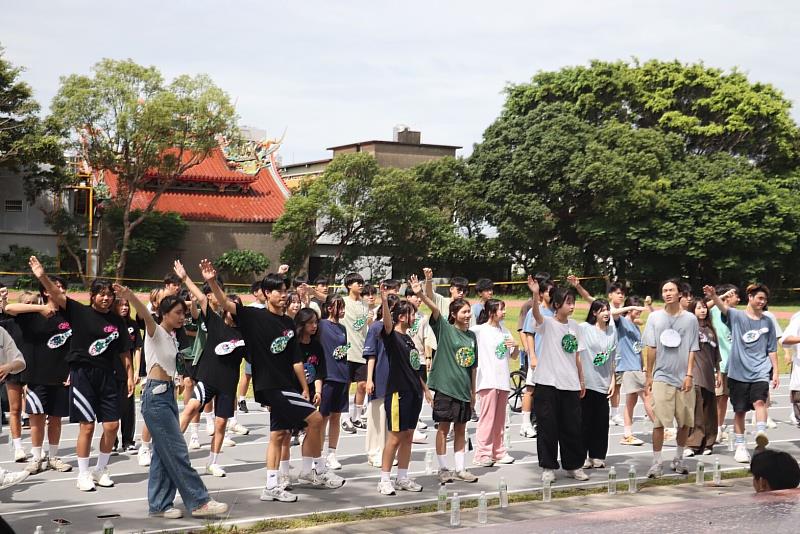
(161, 349)
(793, 330)
(9, 352)
(557, 367)
(422, 334)
(493, 371)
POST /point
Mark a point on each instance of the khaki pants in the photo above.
(376, 430)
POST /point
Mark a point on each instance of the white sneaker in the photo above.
(655, 471)
(102, 478)
(688, 453)
(421, 425)
(20, 455)
(679, 467)
(9, 479)
(215, 470)
(419, 437)
(407, 484)
(598, 463)
(527, 432)
(325, 479)
(741, 455)
(169, 513)
(144, 456)
(587, 463)
(239, 429)
(57, 464)
(385, 487)
(277, 494)
(578, 474)
(771, 423)
(548, 475)
(761, 440)
(194, 442)
(617, 420)
(506, 459)
(210, 509)
(332, 462)
(285, 481)
(85, 481)
(228, 442)
(36, 466)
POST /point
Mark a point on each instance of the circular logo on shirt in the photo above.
(600, 358)
(413, 358)
(670, 338)
(638, 347)
(569, 343)
(340, 352)
(501, 350)
(465, 356)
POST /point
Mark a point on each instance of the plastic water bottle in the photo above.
(455, 511)
(731, 442)
(717, 472)
(39, 530)
(441, 499)
(507, 438)
(632, 479)
(508, 416)
(700, 478)
(546, 491)
(429, 462)
(502, 490)
(108, 527)
(612, 480)
(482, 512)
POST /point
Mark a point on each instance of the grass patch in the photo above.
(313, 520)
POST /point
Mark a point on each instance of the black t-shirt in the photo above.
(45, 347)
(97, 338)
(222, 355)
(272, 347)
(313, 361)
(135, 342)
(401, 351)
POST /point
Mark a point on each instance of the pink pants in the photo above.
(491, 424)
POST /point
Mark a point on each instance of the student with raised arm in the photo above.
(560, 386)
(11, 363)
(170, 469)
(404, 391)
(279, 382)
(98, 337)
(754, 346)
(452, 377)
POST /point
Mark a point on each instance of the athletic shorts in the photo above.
(632, 382)
(402, 410)
(358, 371)
(288, 409)
(723, 390)
(744, 394)
(446, 409)
(16, 378)
(93, 396)
(618, 379)
(335, 398)
(224, 402)
(669, 402)
(48, 400)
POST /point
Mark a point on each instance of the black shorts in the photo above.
(92, 395)
(358, 371)
(423, 372)
(402, 410)
(335, 398)
(446, 409)
(744, 394)
(288, 409)
(48, 400)
(16, 378)
(224, 402)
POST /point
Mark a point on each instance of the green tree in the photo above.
(126, 120)
(241, 263)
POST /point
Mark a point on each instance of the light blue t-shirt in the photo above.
(530, 323)
(749, 359)
(629, 350)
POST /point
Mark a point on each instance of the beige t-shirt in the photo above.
(355, 322)
(8, 350)
(422, 334)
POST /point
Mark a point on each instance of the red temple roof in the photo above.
(213, 169)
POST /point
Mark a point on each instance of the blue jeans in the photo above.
(170, 470)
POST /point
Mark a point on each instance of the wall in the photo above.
(26, 227)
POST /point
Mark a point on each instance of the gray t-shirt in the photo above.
(672, 363)
(749, 360)
(598, 377)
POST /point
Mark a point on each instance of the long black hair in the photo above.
(330, 302)
(402, 308)
(559, 296)
(491, 307)
(455, 305)
(597, 306)
(392, 300)
(303, 317)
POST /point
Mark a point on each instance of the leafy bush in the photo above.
(160, 231)
(16, 260)
(241, 263)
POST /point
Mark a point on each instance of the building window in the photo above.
(13, 205)
(81, 205)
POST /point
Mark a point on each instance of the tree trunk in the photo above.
(126, 239)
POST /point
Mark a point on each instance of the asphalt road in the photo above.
(51, 495)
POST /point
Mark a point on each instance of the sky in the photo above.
(335, 72)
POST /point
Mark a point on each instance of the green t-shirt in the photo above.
(456, 356)
(723, 337)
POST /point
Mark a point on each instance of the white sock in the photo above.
(212, 457)
(193, 428)
(656, 457)
(17, 443)
(442, 458)
(284, 467)
(209, 418)
(353, 409)
(36, 452)
(628, 431)
(272, 478)
(459, 456)
(331, 450)
(145, 446)
(241, 398)
(308, 464)
(83, 465)
(102, 460)
(320, 466)
(678, 452)
(402, 474)
(385, 476)
(52, 450)
(231, 422)
(614, 411)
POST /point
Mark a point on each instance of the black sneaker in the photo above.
(347, 426)
(361, 425)
(243, 406)
(474, 417)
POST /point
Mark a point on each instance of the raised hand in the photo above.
(533, 285)
(122, 291)
(709, 292)
(36, 267)
(208, 270)
(415, 285)
(573, 280)
(283, 269)
(427, 273)
(180, 272)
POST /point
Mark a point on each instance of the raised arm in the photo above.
(533, 285)
(388, 321)
(428, 274)
(711, 294)
(416, 287)
(210, 276)
(202, 301)
(56, 295)
(138, 305)
(575, 282)
(18, 308)
(626, 309)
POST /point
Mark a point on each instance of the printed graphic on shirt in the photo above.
(415, 326)
(99, 346)
(360, 323)
(280, 343)
(569, 343)
(58, 340)
(638, 346)
(465, 356)
(226, 347)
(340, 352)
(413, 357)
(751, 336)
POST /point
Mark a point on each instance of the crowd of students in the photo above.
(305, 347)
